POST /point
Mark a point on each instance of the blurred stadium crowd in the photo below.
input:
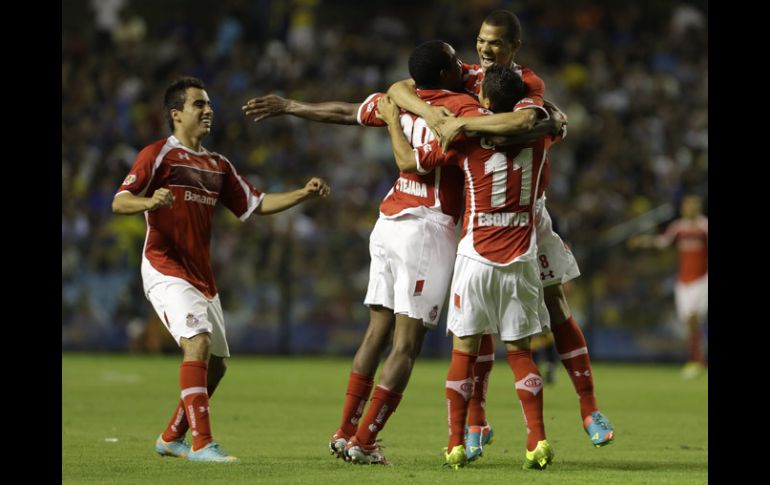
(632, 77)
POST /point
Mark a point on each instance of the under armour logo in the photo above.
(584, 373)
(184, 156)
(546, 275)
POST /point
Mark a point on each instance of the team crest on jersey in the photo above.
(130, 179)
(433, 313)
(192, 320)
(370, 106)
(183, 155)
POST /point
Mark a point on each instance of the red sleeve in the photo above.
(367, 112)
(429, 155)
(535, 93)
(147, 161)
(238, 194)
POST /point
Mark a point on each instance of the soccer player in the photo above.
(498, 40)
(690, 233)
(177, 182)
(412, 248)
(496, 285)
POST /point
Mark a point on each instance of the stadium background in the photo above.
(633, 80)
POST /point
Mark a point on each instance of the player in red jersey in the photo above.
(412, 248)
(496, 284)
(690, 233)
(176, 183)
(498, 40)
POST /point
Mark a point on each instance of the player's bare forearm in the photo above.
(403, 152)
(336, 112)
(278, 202)
(403, 94)
(513, 123)
(126, 203)
(541, 128)
(389, 112)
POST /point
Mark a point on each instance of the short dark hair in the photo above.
(504, 88)
(174, 97)
(504, 18)
(426, 62)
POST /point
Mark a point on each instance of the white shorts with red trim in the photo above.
(411, 266)
(507, 300)
(185, 311)
(554, 259)
(692, 298)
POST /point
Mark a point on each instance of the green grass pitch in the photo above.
(277, 414)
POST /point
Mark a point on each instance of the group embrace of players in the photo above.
(470, 141)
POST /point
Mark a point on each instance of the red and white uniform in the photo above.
(691, 239)
(556, 261)
(176, 268)
(496, 286)
(412, 245)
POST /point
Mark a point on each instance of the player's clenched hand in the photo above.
(161, 198)
(437, 116)
(265, 107)
(447, 132)
(317, 187)
(558, 115)
(387, 110)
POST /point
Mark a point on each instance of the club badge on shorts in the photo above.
(192, 320)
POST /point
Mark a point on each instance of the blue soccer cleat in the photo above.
(177, 449)
(473, 447)
(599, 429)
(212, 453)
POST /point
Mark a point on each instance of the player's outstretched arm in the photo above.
(389, 112)
(272, 203)
(403, 94)
(127, 203)
(328, 112)
(542, 128)
(513, 123)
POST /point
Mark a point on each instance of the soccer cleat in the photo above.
(539, 458)
(179, 448)
(599, 429)
(692, 369)
(473, 447)
(337, 445)
(213, 453)
(362, 454)
(456, 458)
(487, 433)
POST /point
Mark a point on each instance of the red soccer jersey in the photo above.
(179, 237)
(691, 237)
(473, 75)
(436, 193)
(501, 186)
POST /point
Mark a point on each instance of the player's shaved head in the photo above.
(427, 61)
(174, 97)
(503, 87)
(506, 19)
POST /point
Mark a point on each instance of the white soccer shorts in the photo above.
(186, 312)
(554, 259)
(692, 297)
(507, 300)
(411, 266)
